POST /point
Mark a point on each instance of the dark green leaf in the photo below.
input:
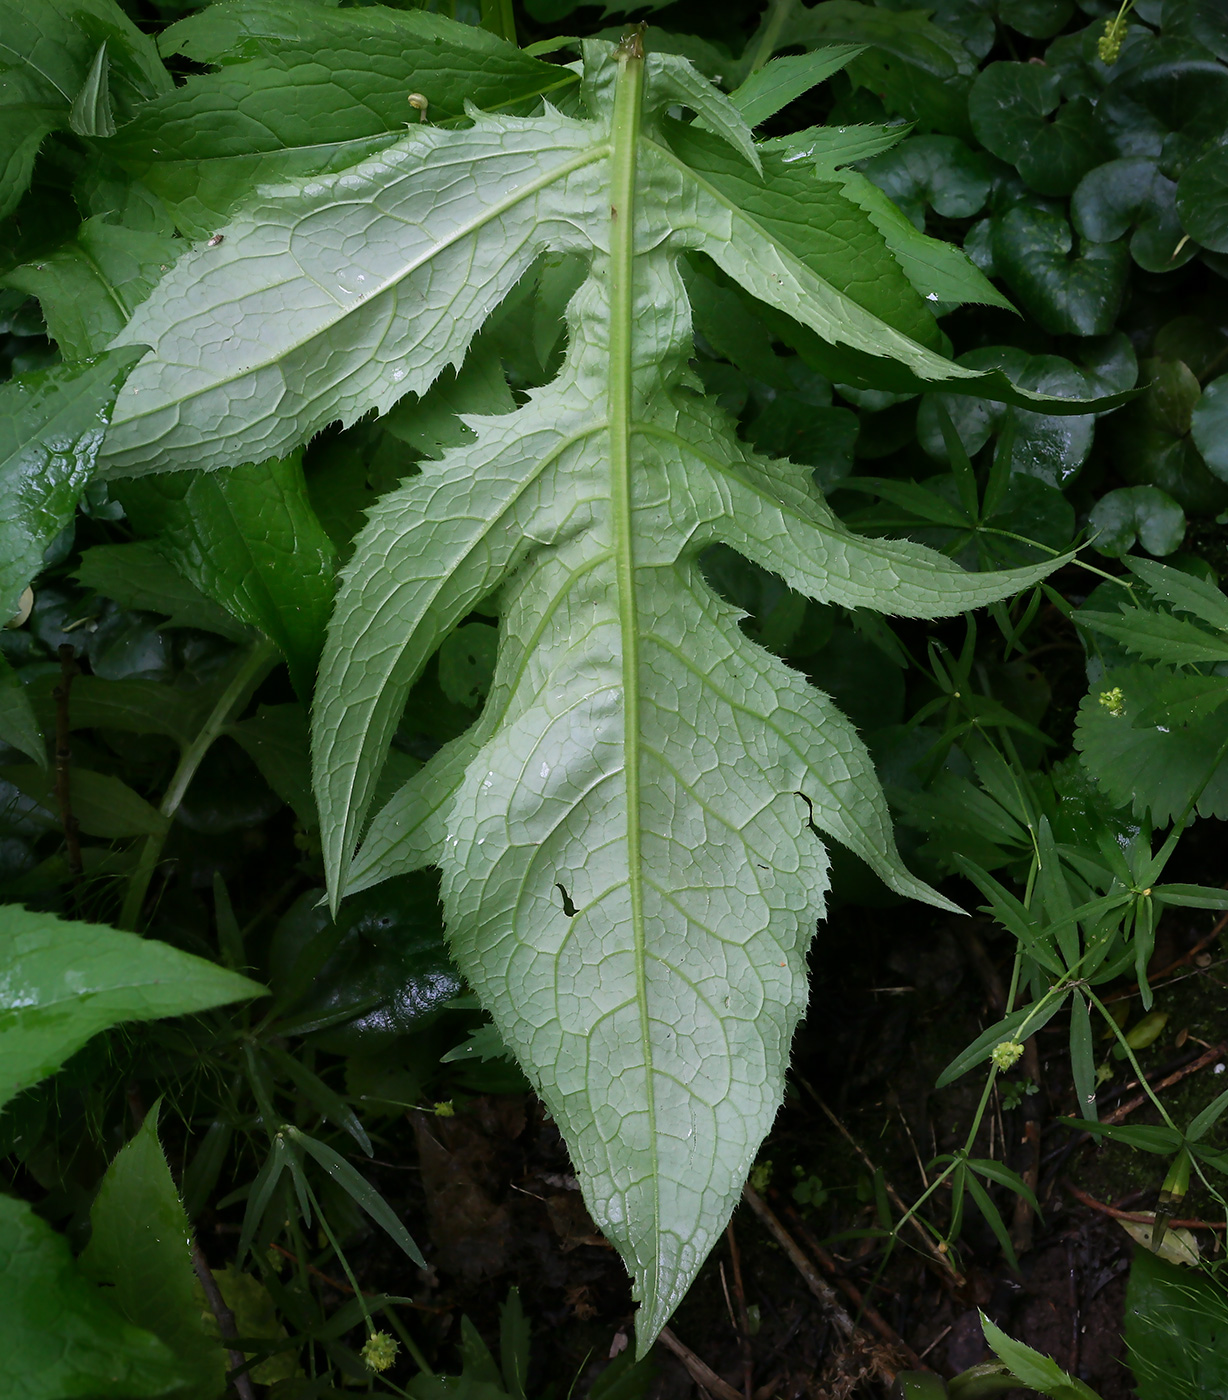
(89, 287)
(276, 739)
(1184, 591)
(938, 171)
(1202, 199)
(19, 726)
(1010, 107)
(1130, 194)
(102, 805)
(325, 1100)
(63, 983)
(783, 80)
(1209, 426)
(137, 576)
(1176, 1330)
(467, 663)
(1027, 1020)
(1158, 636)
(360, 1191)
(247, 538)
(1158, 769)
(136, 707)
(60, 1337)
(91, 113)
(51, 427)
(139, 1249)
(1033, 1370)
(1159, 1141)
(306, 89)
(1068, 295)
(1142, 513)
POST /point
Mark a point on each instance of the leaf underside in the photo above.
(629, 835)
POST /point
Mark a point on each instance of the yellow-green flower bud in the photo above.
(380, 1351)
(1005, 1053)
(1114, 701)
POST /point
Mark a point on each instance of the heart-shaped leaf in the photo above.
(1068, 292)
(1132, 194)
(1011, 105)
(1202, 199)
(939, 171)
(1209, 425)
(1143, 513)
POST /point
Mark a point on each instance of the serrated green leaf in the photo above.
(60, 1336)
(248, 538)
(1161, 767)
(1185, 592)
(88, 288)
(91, 113)
(64, 982)
(52, 424)
(592, 816)
(1033, 1370)
(308, 89)
(1158, 636)
(828, 148)
(783, 80)
(139, 1250)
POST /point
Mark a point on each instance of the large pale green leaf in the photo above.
(139, 1249)
(59, 1334)
(61, 983)
(51, 425)
(630, 833)
(1176, 1329)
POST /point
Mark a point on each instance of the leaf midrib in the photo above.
(624, 145)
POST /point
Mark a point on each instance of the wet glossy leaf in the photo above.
(1209, 426)
(139, 1250)
(1168, 105)
(278, 741)
(59, 1333)
(1011, 107)
(380, 971)
(1202, 199)
(1069, 290)
(940, 172)
(1144, 513)
(51, 427)
(64, 982)
(248, 538)
(1121, 195)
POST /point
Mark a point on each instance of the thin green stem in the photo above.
(1128, 1051)
(258, 661)
(766, 47)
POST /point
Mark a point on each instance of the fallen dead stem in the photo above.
(1216, 1052)
(1137, 1217)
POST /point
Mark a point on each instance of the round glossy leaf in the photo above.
(1209, 425)
(385, 959)
(1067, 292)
(1109, 363)
(1202, 199)
(1010, 107)
(1142, 513)
(940, 171)
(1132, 194)
(1205, 21)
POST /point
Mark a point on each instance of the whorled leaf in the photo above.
(629, 834)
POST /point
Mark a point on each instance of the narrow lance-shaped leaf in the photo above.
(630, 834)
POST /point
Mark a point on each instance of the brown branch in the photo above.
(854, 1294)
(63, 760)
(225, 1322)
(1216, 1052)
(739, 1293)
(700, 1372)
(1138, 1217)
